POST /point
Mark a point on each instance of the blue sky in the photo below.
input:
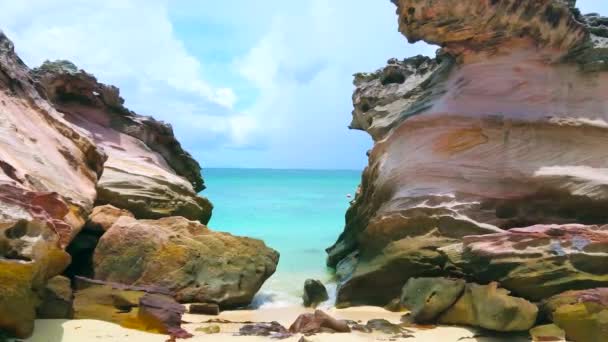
(244, 83)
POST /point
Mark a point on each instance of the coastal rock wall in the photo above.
(505, 128)
(48, 172)
(147, 171)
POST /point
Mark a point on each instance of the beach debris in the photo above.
(317, 322)
(314, 293)
(204, 309)
(273, 330)
(211, 329)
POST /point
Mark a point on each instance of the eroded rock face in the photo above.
(540, 261)
(505, 128)
(48, 171)
(147, 171)
(198, 264)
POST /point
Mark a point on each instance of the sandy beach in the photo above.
(92, 330)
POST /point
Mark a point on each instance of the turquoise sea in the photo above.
(297, 212)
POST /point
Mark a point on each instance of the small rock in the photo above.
(548, 332)
(103, 217)
(212, 329)
(162, 313)
(314, 293)
(384, 326)
(272, 329)
(319, 321)
(204, 309)
(57, 300)
(394, 305)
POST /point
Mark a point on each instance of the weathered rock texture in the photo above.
(198, 264)
(147, 171)
(505, 128)
(448, 301)
(583, 315)
(539, 261)
(138, 307)
(48, 171)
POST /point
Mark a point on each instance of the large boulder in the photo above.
(504, 128)
(583, 315)
(48, 171)
(492, 308)
(539, 261)
(147, 172)
(198, 264)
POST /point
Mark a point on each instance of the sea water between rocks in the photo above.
(297, 212)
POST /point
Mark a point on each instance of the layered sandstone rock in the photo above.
(539, 261)
(505, 128)
(147, 171)
(198, 264)
(48, 171)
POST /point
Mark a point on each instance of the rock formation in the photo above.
(440, 300)
(147, 171)
(47, 187)
(68, 144)
(186, 257)
(505, 128)
(583, 315)
(314, 293)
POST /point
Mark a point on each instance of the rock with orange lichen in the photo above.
(504, 128)
(196, 263)
(48, 171)
(583, 315)
(147, 171)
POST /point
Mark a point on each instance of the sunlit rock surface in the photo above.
(147, 171)
(506, 127)
(196, 263)
(48, 171)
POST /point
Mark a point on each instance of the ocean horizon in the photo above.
(298, 212)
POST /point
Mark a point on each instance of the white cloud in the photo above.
(292, 62)
(129, 43)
